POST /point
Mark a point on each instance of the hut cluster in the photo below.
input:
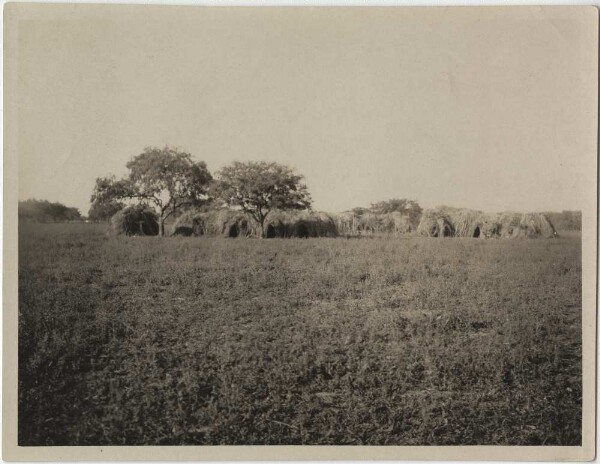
(437, 222)
(279, 224)
(456, 222)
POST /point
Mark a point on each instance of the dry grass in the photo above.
(389, 341)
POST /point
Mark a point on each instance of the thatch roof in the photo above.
(344, 222)
(515, 225)
(458, 222)
(232, 223)
(134, 220)
(301, 224)
(226, 222)
(435, 224)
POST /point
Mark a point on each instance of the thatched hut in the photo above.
(344, 223)
(300, 224)
(435, 223)
(226, 222)
(401, 223)
(460, 222)
(466, 222)
(538, 224)
(134, 220)
(519, 225)
(348, 223)
(369, 223)
(232, 223)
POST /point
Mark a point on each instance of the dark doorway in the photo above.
(234, 231)
(302, 231)
(477, 232)
(271, 232)
(447, 232)
(434, 232)
(184, 231)
(198, 228)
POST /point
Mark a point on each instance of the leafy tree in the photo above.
(359, 211)
(166, 178)
(259, 187)
(72, 214)
(409, 207)
(108, 197)
(103, 211)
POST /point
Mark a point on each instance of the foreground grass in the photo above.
(411, 341)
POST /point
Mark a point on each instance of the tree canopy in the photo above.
(103, 211)
(401, 205)
(259, 187)
(395, 205)
(165, 178)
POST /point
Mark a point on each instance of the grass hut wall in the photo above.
(134, 220)
(518, 225)
(348, 223)
(466, 222)
(300, 224)
(226, 222)
(435, 224)
(402, 223)
(471, 223)
(231, 223)
(344, 223)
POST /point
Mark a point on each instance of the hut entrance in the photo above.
(446, 232)
(477, 232)
(198, 227)
(302, 231)
(234, 231)
(271, 232)
(434, 232)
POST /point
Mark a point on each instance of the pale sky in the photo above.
(492, 109)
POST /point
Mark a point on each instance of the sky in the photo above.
(491, 109)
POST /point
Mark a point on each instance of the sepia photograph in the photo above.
(357, 228)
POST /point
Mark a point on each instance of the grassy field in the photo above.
(382, 341)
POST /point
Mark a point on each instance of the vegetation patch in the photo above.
(387, 341)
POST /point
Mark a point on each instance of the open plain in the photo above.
(377, 340)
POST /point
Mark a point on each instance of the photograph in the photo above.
(363, 229)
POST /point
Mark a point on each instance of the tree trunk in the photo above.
(161, 231)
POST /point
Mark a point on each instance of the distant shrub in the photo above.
(45, 211)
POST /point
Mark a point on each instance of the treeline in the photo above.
(45, 211)
(565, 220)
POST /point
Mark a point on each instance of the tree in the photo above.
(259, 187)
(166, 178)
(107, 197)
(72, 214)
(103, 211)
(359, 211)
(409, 207)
